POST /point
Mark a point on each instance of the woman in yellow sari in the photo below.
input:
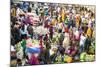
(89, 32)
(63, 15)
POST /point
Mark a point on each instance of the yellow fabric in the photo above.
(68, 59)
(54, 21)
(13, 12)
(63, 16)
(89, 31)
(77, 22)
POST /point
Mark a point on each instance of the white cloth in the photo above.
(83, 19)
(82, 40)
(66, 40)
(58, 9)
(76, 34)
(17, 12)
(89, 24)
(12, 48)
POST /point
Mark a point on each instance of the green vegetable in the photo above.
(89, 58)
(82, 56)
(92, 49)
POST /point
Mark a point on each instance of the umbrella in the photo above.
(33, 49)
(30, 48)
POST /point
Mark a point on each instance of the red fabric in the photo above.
(41, 42)
(66, 30)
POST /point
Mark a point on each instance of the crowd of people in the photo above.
(51, 33)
